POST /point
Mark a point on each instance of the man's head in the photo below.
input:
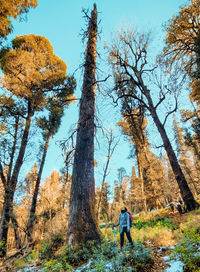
(123, 210)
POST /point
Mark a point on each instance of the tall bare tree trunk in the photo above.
(82, 219)
(36, 191)
(10, 185)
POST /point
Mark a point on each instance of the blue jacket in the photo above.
(124, 221)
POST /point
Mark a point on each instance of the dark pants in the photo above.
(179, 208)
(128, 235)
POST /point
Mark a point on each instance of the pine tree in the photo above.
(31, 73)
(12, 9)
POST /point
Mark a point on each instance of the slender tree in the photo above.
(82, 219)
(49, 127)
(112, 144)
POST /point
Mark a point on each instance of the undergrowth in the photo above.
(138, 223)
(101, 257)
(188, 249)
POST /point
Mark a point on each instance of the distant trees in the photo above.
(32, 74)
(82, 219)
(148, 187)
(128, 57)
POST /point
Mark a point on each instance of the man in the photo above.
(124, 223)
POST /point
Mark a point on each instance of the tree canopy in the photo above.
(12, 9)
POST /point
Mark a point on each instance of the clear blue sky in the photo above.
(61, 22)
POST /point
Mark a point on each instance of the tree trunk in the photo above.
(11, 184)
(82, 219)
(186, 194)
(16, 231)
(36, 191)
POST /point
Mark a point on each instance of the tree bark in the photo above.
(11, 184)
(36, 191)
(179, 176)
(82, 219)
(16, 231)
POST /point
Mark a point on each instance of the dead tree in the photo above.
(82, 218)
(128, 57)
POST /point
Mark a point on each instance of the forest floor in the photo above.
(158, 253)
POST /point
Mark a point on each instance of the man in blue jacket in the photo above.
(124, 223)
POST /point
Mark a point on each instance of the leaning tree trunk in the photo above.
(36, 191)
(82, 219)
(186, 194)
(10, 185)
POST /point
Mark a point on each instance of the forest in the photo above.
(68, 220)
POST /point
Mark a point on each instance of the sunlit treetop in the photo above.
(12, 9)
(31, 68)
(183, 33)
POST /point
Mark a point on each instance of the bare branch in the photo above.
(170, 112)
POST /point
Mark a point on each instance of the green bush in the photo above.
(45, 251)
(49, 246)
(137, 255)
(19, 263)
(101, 255)
(132, 258)
(79, 255)
(188, 250)
(106, 249)
(32, 256)
(2, 248)
(56, 266)
(56, 240)
(160, 221)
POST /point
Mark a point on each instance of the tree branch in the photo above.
(2, 175)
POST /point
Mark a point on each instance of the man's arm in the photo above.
(118, 223)
(128, 222)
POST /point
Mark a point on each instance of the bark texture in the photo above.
(82, 219)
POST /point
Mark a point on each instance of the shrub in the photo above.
(45, 251)
(137, 256)
(159, 221)
(56, 240)
(79, 255)
(50, 245)
(19, 263)
(188, 250)
(2, 248)
(108, 249)
(32, 256)
(56, 266)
